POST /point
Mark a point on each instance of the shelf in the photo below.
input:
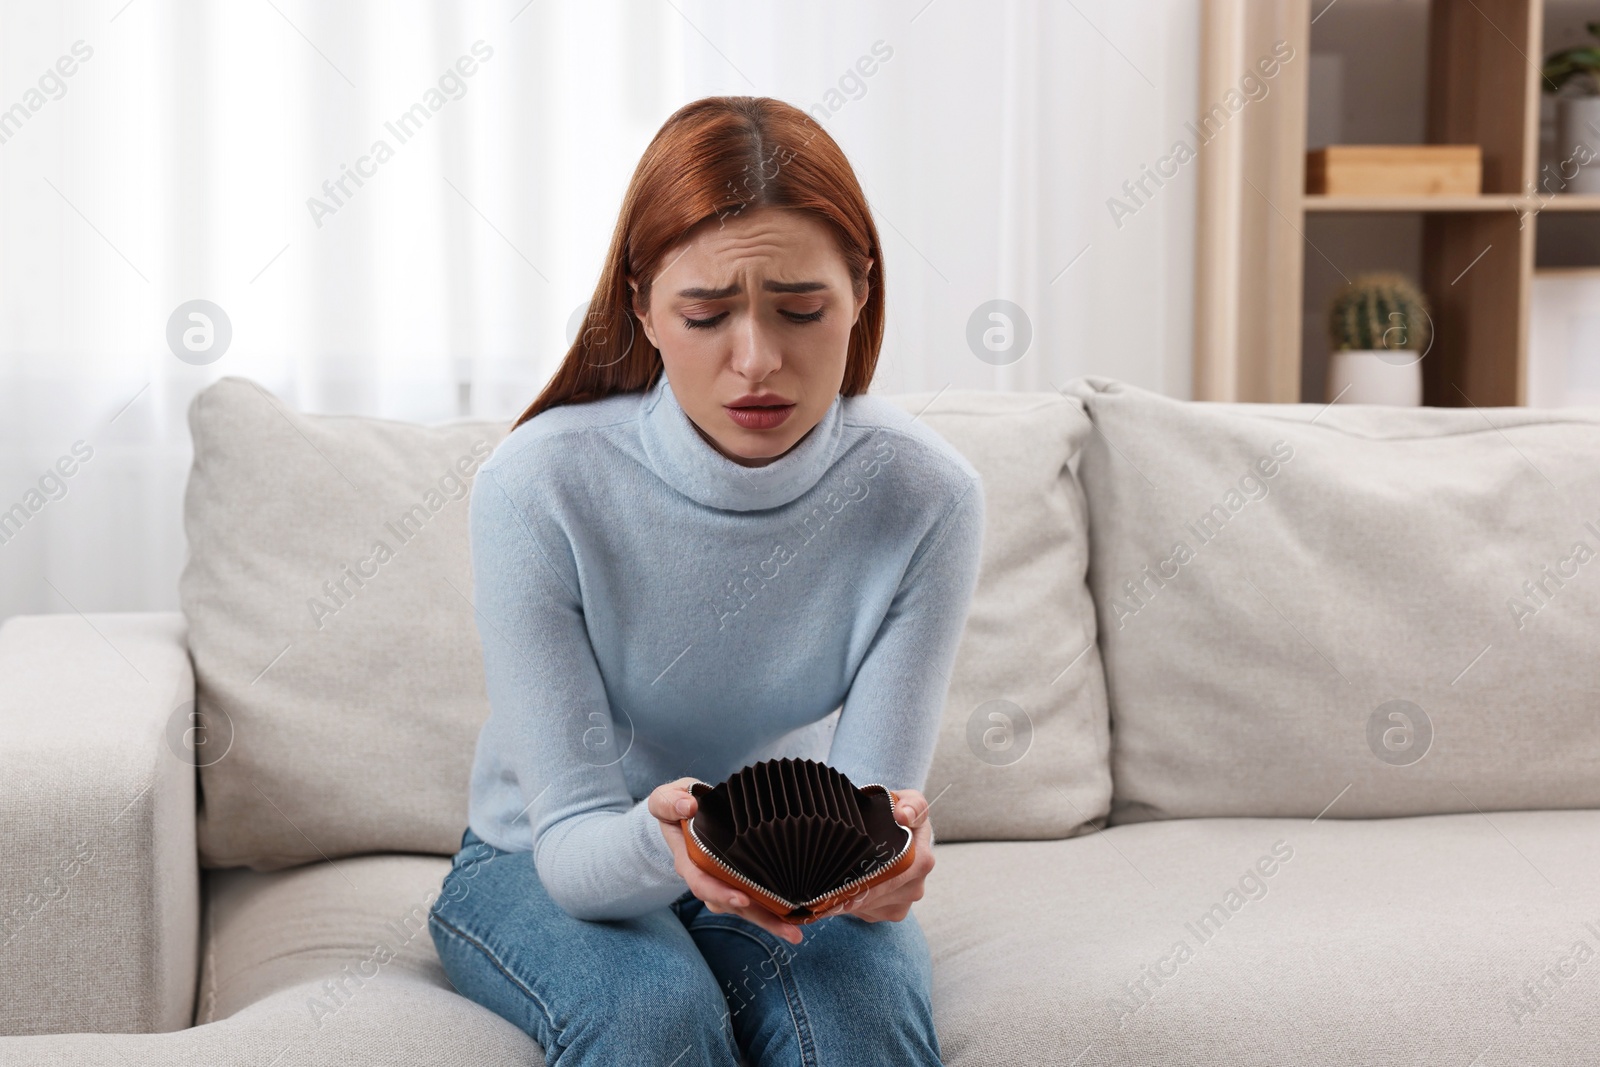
(1452, 204)
(1572, 202)
(1255, 225)
(1567, 272)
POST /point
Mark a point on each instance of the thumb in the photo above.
(672, 800)
(909, 809)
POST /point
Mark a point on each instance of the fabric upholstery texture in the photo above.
(1024, 748)
(99, 887)
(329, 598)
(319, 964)
(354, 922)
(1396, 608)
(328, 592)
(1464, 939)
(1390, 942)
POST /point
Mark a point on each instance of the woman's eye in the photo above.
(708, 323)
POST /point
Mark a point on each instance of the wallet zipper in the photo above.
(807, 904)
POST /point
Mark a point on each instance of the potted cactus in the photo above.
(1380, 329)
(1572, 75)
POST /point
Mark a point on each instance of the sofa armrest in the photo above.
(100, 884)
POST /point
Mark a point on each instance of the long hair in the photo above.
(714, 158)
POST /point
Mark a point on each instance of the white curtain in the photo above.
(178, 159)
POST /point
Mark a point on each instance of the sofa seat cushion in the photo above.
(1465, 939)
(335, 951)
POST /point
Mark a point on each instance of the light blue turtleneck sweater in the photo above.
(649, 609)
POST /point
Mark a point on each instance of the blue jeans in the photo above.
(682, 985)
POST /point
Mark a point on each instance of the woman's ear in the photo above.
(642, 316)
(866, 293)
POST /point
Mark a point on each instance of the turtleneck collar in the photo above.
(688, 462)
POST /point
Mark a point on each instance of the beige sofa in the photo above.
(1300, 763)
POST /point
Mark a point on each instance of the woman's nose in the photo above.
(756, 352)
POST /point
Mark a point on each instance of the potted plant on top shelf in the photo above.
(1380, 329)
(1573, 75)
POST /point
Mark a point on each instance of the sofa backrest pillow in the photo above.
(1024, 747)
(1351, 610)
(328, 591)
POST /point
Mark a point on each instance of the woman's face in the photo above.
(752, 316)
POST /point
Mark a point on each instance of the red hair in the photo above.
(712, 158)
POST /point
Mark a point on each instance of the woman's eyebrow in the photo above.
(769, 286)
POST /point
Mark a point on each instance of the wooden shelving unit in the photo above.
(1446, 204)
(1483, 87)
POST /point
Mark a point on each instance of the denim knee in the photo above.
(587, 992)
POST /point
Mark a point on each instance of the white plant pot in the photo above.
(1578, 138)
(1382, 376)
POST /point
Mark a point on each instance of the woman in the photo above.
(700, 540)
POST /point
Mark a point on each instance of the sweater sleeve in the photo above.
(890, 720)
(598, 853)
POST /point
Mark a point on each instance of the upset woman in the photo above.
(701, 540)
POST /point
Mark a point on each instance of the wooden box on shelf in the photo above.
(1395, 170)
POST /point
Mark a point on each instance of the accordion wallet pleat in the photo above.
(793, 822)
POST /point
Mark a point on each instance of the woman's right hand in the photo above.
(672, 801)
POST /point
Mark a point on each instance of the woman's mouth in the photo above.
(755, 414)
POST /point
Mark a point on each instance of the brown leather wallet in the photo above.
(796, 836)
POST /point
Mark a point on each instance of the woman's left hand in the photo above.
(890, 901)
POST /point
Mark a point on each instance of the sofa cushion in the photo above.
(1395, 607)
(1024, 748)
(328, 592)
(331, 952)
(1381, 943)
(338, 670)
(267, 931)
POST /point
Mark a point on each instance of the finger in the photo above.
(769, 922)
(672, 802)
(865, 906)
(739, 903)
(852, 905)
(714, 890)
(844, 904)
(660, 803)
(911, 807)
(684, 803)
(724, 899)
(889, 889)
(879, 903)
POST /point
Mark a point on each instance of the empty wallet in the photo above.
(797, 836)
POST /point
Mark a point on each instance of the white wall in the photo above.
(178, 162)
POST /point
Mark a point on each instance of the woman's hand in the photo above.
(672, 801)
(890, 901)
